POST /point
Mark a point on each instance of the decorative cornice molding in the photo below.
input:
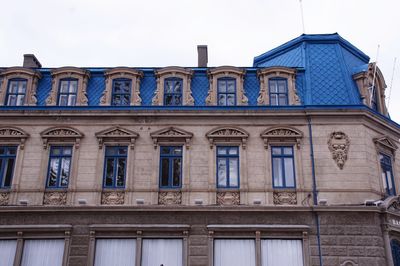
(63, 134)
(226, 135)
(338, 144)
(286, 134)
(116, 134)
(171, 134)
(13, 134)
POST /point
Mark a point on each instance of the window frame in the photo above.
(383, 170)
(68, 94)
(277, 93)
(173, 94)
(226, 93)
(8, 93)
(5, 160)
(282, 156)
(227, 158)
(170, 158)
(113, 93)
(115, 166)
(60, 158)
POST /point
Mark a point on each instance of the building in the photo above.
(289, 162)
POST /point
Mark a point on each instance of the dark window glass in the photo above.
(226, 91)
(387, 174)
(374, 98)
(278, 91)
(121, 92)
(227, 167)
(171, 167)
(115, 167)
(7, 163)
(173, 91)
(59, 167)
(16, 92)
(283, 174)
(68, 92)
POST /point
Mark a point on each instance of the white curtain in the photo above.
(7, 252)
(234, 252)
(115, 252)
(165, 252)
(46, 252)
(278, 252)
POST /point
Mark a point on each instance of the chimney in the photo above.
(30, 61)
(202, 55)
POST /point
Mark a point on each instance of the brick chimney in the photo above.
(30, 61)
(202, 55)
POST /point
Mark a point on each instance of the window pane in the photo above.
(9, 172)
(64, 86)
(73, 86)
(273, 87)
(178, 87)
(384, 180)
(55, 151)
(282, 99)
(389, 178)
(222, 99)
(282, 86)
(289, 172)
(13, 87)
(221, 150)
(109, 172)
(235, 252)
(165, 150)
(67, 151)
(169, 86)
(47, 252)
(167, 252)
(71, 100)
(231, 86)
(2, 150)
(233, 172)
(221, 86)
(12, 100)
(230, 100)
(121, 172)
(7, 252)
(20, 100)
(12, 150)
(22, 87)
(233, 151)
(276, 252)
(64, 175)
(177, 100)
(274, 99)
(121, 252)
(63, 100)
(125, 100)
(177, 151)
(288, 151)
(221, 168)
(176, 172)
(277, 172)
(164, 172)
(53, 171)
(169, 100)
(122, 151)
(276, 151)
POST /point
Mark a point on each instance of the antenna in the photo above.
(372, 89)
(391, 83)
(302, 15)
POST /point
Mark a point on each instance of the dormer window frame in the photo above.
(19, 73)
(68, 93)
(278, 93)
(173, 94)
(265, 75)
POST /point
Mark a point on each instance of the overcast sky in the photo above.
(140, 33)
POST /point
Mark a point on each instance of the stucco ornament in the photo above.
(55, 198)
(170, 198)
(113, 198)
(339, 144)
(349, 263)
(4, 196)
(285, 198)
(228, 198)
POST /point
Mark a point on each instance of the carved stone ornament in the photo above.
(285, 198)
(171, 135)
(13, 135)
(226, 72)
(281, 135)
(55, 198)
(81, 75)
(339, 144)
(349, 263)
(174, 72)
(61, 134)
(4, 197)
(392, 204)
(117, 134)
(113, 197)
(228, 198)
(122, 73)
(170, 198)
(227, 135)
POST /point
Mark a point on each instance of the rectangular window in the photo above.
(115, 166)
(227, 167)
(115, 252)
(44, 252)
(278, 91)
(234, 252)
(7, 161)
(226, 90)
(7, 252)
(173, 92)
(277, 252)
(121, 92)
(59, 167)
(283, 174)
(170, 167)
(374, 97)
(16, 92)
(162, 252)
(387, 174)
(68, 92)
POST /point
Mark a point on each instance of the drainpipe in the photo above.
(315, 192)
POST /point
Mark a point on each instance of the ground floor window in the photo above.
(162, 252)
(115, 252)
(275, 252)
(232, 252)
(395, 245)
(44, 252)
(7, 252)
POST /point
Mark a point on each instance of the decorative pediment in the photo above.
(117, 134)
(61, 134)
(227, 135)
(391, 204)
(281, 134)
(171, 135)
(13, 135)
(385, 143)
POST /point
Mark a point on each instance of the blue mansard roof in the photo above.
(324, 63)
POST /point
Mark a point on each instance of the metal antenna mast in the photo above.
(372, 89)
(391, 83)
(302, 15)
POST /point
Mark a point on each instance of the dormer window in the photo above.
(278, 91)
(16, 92)
(121, 92)
(173, 91)
(226, 92)
(374, 98)
(67, 93)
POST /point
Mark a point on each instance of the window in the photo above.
(277, 252)
(283, 167)
(7, 161)
(171, 167)
(227, 167)
(115, 252)
(121, 92)
(278, 92)
(226, 92)
(232, 252)
(16, 92)
(387, 174)
(7, 252)
(374, 98)
(115, 167)
(44, 252)
(59, 167)
(68, 92)
(162, 252)
(173, 91)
